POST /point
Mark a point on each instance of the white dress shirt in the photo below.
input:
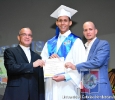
(88, 47)
(27, 52)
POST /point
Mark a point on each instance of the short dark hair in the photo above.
(68, 18)
(22, 28)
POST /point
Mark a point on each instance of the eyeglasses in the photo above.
(24, 35)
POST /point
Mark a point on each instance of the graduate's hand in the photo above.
(54, 56)
(58, 78)
(70, 65)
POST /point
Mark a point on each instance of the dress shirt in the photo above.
(27, 52)
(88, 47)
(62, 37)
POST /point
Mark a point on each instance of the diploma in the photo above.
(53, 67)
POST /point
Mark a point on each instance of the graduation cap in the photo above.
(63, 11)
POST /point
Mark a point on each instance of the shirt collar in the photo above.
(24, 48)
(65, 34)
(90, 44)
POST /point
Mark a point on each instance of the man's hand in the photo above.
(59, 78)
(38, 62)
(70, 65)
(54, 56)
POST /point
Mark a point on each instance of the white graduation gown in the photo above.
(65, 90)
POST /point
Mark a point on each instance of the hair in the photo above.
(68, 18)
(92, 23)
(21, 29)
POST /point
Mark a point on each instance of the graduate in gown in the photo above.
(68, 45)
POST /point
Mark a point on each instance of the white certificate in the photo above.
(53, 67)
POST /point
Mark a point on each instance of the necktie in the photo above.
(62, 38)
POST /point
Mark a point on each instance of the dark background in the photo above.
(15, 14)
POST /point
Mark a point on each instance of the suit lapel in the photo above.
(93, 48)
(22, 53)
(32, 56)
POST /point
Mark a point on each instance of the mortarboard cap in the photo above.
(63, 11)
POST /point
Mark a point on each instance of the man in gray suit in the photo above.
(24, 70)
(97, 54)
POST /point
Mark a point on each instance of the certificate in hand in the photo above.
(53, 67)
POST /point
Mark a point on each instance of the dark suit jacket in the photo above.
(24, 81)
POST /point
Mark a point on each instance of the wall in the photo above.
(110, 38)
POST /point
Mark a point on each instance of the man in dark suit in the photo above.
(24, 70)
(97, 55)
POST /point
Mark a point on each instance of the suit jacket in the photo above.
(24, 81)
(98, 58)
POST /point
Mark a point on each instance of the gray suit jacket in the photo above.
(98, 58)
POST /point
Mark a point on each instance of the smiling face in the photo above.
(89, 31)
(25, 37)
(63, 23)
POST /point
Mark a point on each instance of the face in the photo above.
(25, 37)
(63, 23)
(89, 31)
